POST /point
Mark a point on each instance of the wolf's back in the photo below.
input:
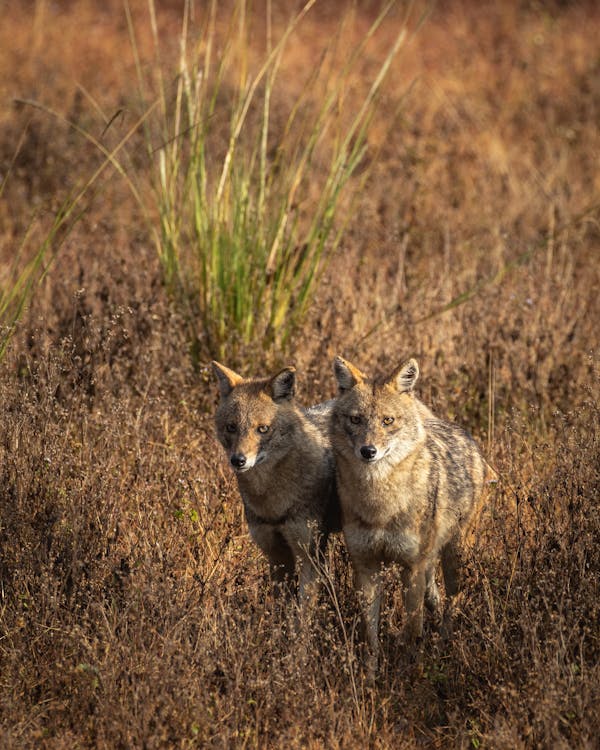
(320, 416)
(456, 471)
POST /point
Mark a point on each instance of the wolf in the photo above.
(283, 462)
(410, 486)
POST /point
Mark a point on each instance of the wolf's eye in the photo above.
(263, 428)
(230, 427)
(388, 421)
(354, 419)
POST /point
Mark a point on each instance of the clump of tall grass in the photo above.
(241, 236)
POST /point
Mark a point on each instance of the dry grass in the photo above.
(134, 610)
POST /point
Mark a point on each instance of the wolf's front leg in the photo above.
(433, 600)
(282, 575)
(280, 556)
(414, 580)
(308, 559)
(307, 581)
(308, 587)
(368, 586)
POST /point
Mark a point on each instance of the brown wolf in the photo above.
(409, 487)
(284, 466)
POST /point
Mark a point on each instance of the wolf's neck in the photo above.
(269, 490)
(267, 484)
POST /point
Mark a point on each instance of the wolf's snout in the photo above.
(238, 460)
(368, 452)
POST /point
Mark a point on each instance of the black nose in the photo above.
(368, 452)
(238, 460)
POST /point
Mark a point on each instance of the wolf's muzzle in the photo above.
(368, 452)
(238, 460)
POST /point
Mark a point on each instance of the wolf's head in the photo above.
(376, 419)
(252, 418)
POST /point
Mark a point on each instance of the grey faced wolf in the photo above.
(410, 486)
(283, 462)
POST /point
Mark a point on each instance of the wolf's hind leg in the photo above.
(451, 563)
(451, 560)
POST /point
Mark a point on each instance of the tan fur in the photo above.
(287, 478)
(409, 486)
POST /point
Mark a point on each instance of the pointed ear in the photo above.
(282, 386)
(228, 379)
(346, 374)
(405, 376)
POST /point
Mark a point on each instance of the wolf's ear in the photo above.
(228, 379)
(283, 385)
(346, 374)
(405, 376)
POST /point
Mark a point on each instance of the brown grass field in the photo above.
(135, 612)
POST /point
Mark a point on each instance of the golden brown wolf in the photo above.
(409, 486)
(283, 461)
